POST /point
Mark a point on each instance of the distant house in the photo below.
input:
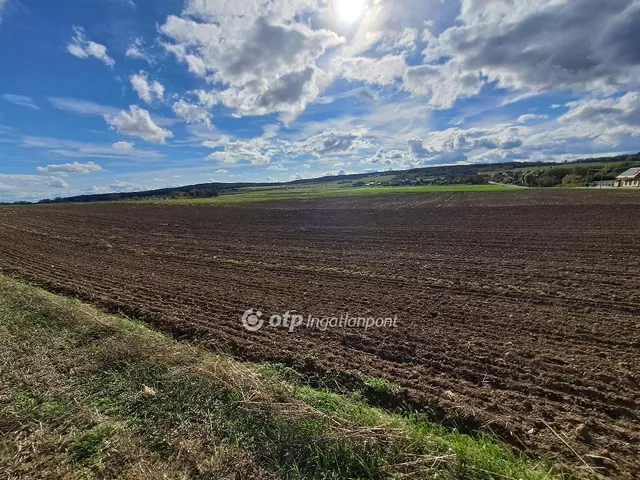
(630, 178)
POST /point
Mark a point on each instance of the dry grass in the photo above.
(85, 394)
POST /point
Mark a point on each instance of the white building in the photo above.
(630, 178)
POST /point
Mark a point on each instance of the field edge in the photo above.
(89, 393)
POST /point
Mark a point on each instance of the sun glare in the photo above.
(349, 11)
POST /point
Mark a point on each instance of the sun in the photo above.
(348, 11)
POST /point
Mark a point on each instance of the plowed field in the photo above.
(517, 310)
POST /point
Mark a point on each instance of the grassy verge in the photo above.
(85, 394)
(322, 191)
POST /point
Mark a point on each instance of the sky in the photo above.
(104, 96)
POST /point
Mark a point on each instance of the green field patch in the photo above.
(253, 195)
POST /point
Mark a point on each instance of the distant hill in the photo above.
(441, 175)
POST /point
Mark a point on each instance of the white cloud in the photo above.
(592, 124)
(82, 107)
(229, 12)
(270, 130)
(21, 100)
(266, 66)
(332, 173)
(530, 117)
(82, 48)
(147, 90)
(126, 146)
(82, 150)
(388, 157)
(255, 151)
(206, 99)
(376, 84)
(280, 168)
(443, 84)
(71, 168)
(57, 183)
(135, 50)
(191, 113)
(138, 123)
(331, 142)
(404, 40)
(546, 45)
(605, 119)
(383, 70)
(32, 187)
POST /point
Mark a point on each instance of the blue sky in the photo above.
(122, 95)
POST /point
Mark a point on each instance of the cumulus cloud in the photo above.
(443, 84)
(31, 187)
(590, 125)
(455, 145)
(382, 71)
(205, 98)
(21, 100)
(290, 92)
(71, 168)
(404, 59)
(607, 119)
(280, 168)
(138, 123)
(191, 113)
(624, 110)
(146, 90)
(384, 156)
(266, 66)
(231, 12)
(81, 47)
(267, 60)
(428, 154)
(332, 141)
(57, 183)
(255, 151)
(545, 45)
(124, 146)
(404, 40)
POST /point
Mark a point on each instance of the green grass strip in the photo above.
(85, 394)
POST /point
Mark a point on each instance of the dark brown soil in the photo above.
(517, 311)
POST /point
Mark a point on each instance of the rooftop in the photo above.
(631, 173)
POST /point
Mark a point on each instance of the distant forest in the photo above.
(531, 174)
(528, 174)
